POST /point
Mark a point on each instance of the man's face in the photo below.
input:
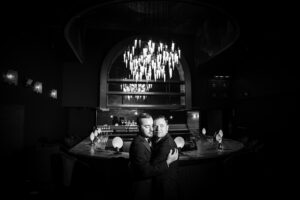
(160, 127)
(147, 127)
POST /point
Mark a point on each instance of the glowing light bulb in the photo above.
(179, 142)
(203, 131)
(117, 142)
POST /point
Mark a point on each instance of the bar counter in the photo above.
(205, 149)
(200, 170)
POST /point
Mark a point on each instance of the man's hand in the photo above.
(172, 157)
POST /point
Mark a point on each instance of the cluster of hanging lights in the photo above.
(135, 88)
(150, 60)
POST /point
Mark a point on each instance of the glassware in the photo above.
(101, 141)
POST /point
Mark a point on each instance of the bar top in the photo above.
(206, 148)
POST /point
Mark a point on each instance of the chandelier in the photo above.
(150, 60)
(134, 88)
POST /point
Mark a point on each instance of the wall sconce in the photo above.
(53, 94)
(28, 82)
(117, 143)
(38, 87)
(195, 115)
(11, 77)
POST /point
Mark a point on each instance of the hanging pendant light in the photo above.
(150, 60)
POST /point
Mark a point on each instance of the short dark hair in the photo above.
(142, 116)
(161, 117)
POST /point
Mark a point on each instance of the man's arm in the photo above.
(172, 156)
(165, 153)
(141, 163)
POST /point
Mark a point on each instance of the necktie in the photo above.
(149, 142)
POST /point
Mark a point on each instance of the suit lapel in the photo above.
(162, 140)
(144, 142)
(147, 145)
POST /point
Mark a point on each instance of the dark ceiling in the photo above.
(214, 25)
(213, 29)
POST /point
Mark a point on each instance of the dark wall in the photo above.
(80, 84)
(261, 103)
(42, 53)
(81, 121)
(29, 120)
(29, 52)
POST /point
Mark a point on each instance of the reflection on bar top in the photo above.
(205, 149)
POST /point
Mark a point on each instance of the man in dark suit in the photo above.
(140, 156)
(165, 185)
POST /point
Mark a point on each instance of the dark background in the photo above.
(260, 107)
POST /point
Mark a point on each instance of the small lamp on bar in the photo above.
(117, 143)
(180, 143)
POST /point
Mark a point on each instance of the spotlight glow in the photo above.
(117, 142)
(179, 142)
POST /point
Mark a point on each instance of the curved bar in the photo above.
(205, 149)
(209, 149)
(85, 148)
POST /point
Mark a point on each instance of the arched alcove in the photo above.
(172, 94)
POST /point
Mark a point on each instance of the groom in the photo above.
(140, 159)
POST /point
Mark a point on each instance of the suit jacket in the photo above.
(166, 184)
(141, 169)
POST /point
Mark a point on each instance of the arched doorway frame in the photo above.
(116, 51)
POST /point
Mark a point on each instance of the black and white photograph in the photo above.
(144, 100)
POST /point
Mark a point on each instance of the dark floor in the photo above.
(221, 190)
(231, 186)
(249, 173)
